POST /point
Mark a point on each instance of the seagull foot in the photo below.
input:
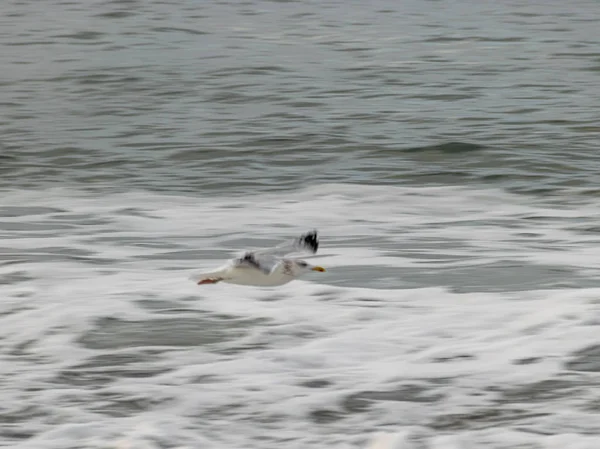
(209, 281)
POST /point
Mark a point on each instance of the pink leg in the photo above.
(208, 281)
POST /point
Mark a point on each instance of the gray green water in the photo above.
(235, 96)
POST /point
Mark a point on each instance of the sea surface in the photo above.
(448, 152)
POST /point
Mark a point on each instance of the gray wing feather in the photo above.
(252, 260)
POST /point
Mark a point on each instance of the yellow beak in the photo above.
(321, 269)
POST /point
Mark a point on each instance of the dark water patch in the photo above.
(448, 148)
(444, 177)
(444, 97)
(453, 358)
(316, 383)
(527, 360)
(105, 369)
(362, 401)
(543, 391)
(149, 146)
(205, 379)
(586, 128)
(482, 418)
(99, 166)
(22, 211)
(370, 302)
(118, 360)
(23, 349)
(90, 78)
(592, 405)
(295, 332)
(19, 415)
(229, 97)
(15, 277)
(60, 255)
(443, 39)
(178, 255)
(502, 276)
(248, 70)
(514, 276)
(161, 305)
(118, 405)
(131, 241)
(587, 360)
(205, 158)
(82, 35)
(15, 432)
(325, 416)
(273, 143)
(29, 43)
(78, 220)
(179, 30)
(301, 15)
(251, 12)
(29, 227)
(238, 349)
(274, 298)
(327, 295)
(134, 212)
(60, 252)
(114, 333)
(302, 104)
(354, 49)
(592, 229)
(175, 93)
(17, 309)
(115, 14)
(508, 39)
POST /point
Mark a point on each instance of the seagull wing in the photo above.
(306, 243)
(264, 263)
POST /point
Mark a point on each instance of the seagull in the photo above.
(267, 268)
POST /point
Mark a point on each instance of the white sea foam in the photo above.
(106, 343)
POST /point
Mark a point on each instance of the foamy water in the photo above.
(448, 318)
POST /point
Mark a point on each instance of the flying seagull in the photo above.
(267, 268)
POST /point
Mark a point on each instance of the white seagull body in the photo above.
(266, 268)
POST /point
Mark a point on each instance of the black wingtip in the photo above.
(310, 240)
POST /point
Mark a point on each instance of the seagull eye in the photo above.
(303, 264)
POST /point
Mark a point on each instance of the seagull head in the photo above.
(303, 266)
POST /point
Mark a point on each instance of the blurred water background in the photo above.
(446, 150)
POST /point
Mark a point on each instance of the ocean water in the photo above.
(447, 152)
